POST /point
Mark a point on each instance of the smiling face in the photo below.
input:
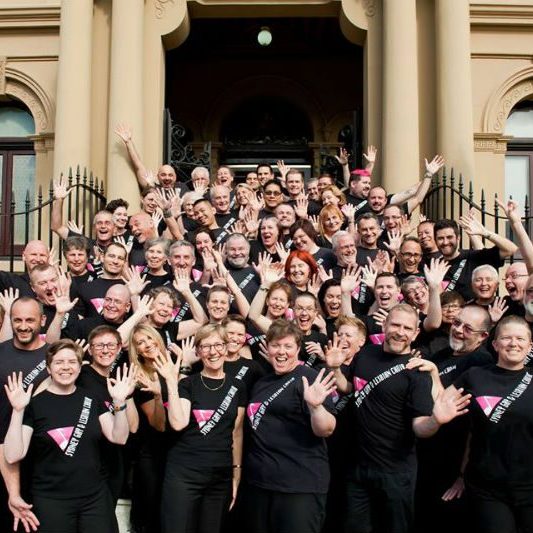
(295, 184)
(515, 281)
(220, 199)
(264, 174)
(253, 180)
(331, 223)
(182, 257)
(484, 285)
(162, 310)
(392, 217)
(142, 227)
(328, 198)
(204, 213)
(212, 351)
(64, 368)
(26, 322)
(104, 349)
(149, 203)
(351, 339)
(417, 294)
(283, 354)
(218, 306)
(299, 272)
(369, 230)
(512, 343)
(35, 253)
(447, 242)
(114, 259)
(386, 292)
(305, 312)
(302, 241)
(156, 256)
(236, 333)
(116, 304)
(467, 331)
(286, 216)
(224, 177)
(377, 199)
(410, 257)
(269, 232)
(166, 177)
(203, 241)
(272, 195)
(237, 252)
(312, 190)
(45, 284)
(425, 236)
(120, 217)
(76, 259)
(103, 226)
(277, 304)
(332, 301)
(401, 329)
(346, 250)
(360, 188)
(146, 345)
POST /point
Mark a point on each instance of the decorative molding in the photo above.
(503, 14)
(160, 6)
(488, 142)
(3, 63)
(509, 93)
(43, 143)
(26, 89)
(370, 7)
(30, 17)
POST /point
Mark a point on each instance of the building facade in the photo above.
(422, 77)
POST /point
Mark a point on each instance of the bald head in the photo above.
(142, 227)
(117, 303)
(35, 253)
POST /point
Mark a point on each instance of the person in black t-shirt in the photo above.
(304, 237)
(105, 351)
(393, 405)
(24, 353)
(203, 468)
(286, 465)
(63, 426)
(463, 262)
(499, 471)
(76, 253)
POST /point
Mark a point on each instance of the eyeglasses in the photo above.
(515, 276)
(99, 346)
(206, 348)
(272, 193)
(301, 309)
(409, 255)
(451, 307)
(466, 327)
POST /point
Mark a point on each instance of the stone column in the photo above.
(73, 103)
(400, 150)
(125, 96)
(455, 133)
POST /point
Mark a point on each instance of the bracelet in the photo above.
(117, 409)
(167, 213)
(263, 288)
(186, 370)
(237, 466)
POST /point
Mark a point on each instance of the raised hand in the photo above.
(351, 279)
(434, 165)
(450, 403)
(162, 200)
(343, 156)
(302, 203)
(511, 210)
(251, 222)
(314, 220)
(63, 303)
(349, 212)
(17, 396)
(219, 277)
(74, 228)
(322, 387)
(314, 284)
(237, 227)
(83, 344)
(128, 245)
(283, 170)
(182, 280)
(150, 178)
(166, 368)
(371, 153)
(123, 131)
(282, 252)
(380, 316)
(157, 217)
(52, 258)
(435, 273)
(323, 275)
(369, 274)
(145, 306)
(199, 188)
(395, 241)
(123, 384)
(188, 351)
(497, 309)
(7, 298)
(60, 187)
(334, 354)
(471, 225)
(134, 282)
(149, 383)
(314, 348)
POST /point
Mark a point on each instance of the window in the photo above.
(17, 172)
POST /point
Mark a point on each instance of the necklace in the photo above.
(209, 388)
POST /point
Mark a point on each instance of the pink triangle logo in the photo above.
(252, 409)
(61, 436)
(488, 403)
(377, 338)
(98, 304)
(359, 383)
(202, 415)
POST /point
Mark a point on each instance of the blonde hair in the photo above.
(329, 209)
(134, 356)
(207, 331)
(336, 192)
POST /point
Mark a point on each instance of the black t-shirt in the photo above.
(91, 296)
(65, 445)
(248, 371)
(183, 312)
(257, 247)
(89, 276)
(284, 454)
(31, 363)
(326, 258)
(226, 220)
(363, 254)
(311, 359)
(387, 398)
(208, 438)
(80, 329)
(136, 257)
(459, 275)
(21, 282)
(169, 332)
(360, 204)
(501, 415)
(247, 280)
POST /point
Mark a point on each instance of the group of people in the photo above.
(274, 355)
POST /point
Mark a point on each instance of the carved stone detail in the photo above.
(370, 7)
(160, 7)
(26, 95)
(3, 63)
(496, 144)
(513, 96)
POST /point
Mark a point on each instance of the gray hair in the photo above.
(338, 235)
(490, 268)
(180, 244)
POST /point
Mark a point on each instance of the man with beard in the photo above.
(24, 353)
(34, 253)
(441, 457)
(286, 217)
(91, 295)
(393, 406)
(463, 262)
(237, 263)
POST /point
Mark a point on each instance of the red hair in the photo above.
(306, 257)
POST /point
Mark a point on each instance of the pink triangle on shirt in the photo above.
(98, 304)
(488, 403)
(202, 415)
(359, 383)
(377, 338)
(61, 436)
(252, 409)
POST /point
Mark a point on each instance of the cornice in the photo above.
(20, 17)
(502, 15)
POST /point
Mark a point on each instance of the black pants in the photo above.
(267, 511)
(146, 493)
(501, 511)
(380, 502)
(195, 500)
(90, 514)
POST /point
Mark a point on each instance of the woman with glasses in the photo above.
(204, 460)
(64, 426)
